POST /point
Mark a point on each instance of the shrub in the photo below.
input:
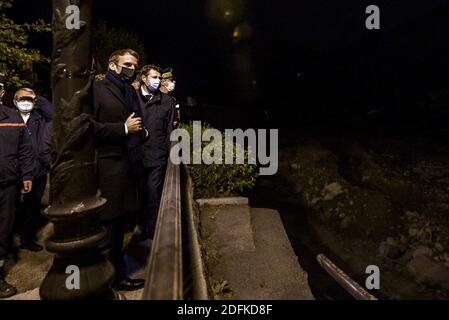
(221, 180)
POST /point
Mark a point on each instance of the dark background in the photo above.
(306, 63)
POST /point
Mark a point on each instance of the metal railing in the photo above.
(175, 268)
(164, 276)
(352, 287)
(196, 286)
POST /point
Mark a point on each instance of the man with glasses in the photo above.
(119, 136)
(39, 128)
(16, 171)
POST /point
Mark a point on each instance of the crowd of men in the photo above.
(134, 114)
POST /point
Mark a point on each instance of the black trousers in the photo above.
(116, 229)
(8, 199)
(151, 190)
(30, 211)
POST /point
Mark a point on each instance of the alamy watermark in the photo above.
(373, 280)
(72, 21)
(372, 22)
(72, 282)
(261, 147)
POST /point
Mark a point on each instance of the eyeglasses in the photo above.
(29, 99)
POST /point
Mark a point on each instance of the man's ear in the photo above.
(112, 66)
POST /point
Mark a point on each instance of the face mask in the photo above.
(170, 86)
(154, 84)
(25, 106)
(128, 74)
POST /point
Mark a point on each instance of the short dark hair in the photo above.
(146, 69)
(114, 57)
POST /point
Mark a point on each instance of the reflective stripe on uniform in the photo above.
(12, 124)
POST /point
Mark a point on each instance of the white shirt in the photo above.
(146, 94)
(25, 117)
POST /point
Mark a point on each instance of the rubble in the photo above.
(377, 194)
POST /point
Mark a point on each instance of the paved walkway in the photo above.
(29, 268)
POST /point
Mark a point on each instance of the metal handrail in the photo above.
(164, 277)
(199, 283)
(352, 287)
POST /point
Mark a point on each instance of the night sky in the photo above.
(303, 60)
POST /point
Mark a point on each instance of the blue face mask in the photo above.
(154, 84)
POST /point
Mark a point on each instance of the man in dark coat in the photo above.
(118, 130)
(16, 167)
(158, 113)
(39, 128)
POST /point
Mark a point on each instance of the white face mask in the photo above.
(170, 86)
(25, 106)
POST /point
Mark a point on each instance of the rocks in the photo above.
(423, 251)
(391, 249)
(332, 190)
(295, 166)
(439, 247)
(419, 228)
(361, 194)
(428, 272)
(426, 269)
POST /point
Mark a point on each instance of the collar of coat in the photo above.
(34, 116)
(157, 97)
(115, 91)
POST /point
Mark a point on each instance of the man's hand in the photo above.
(133, 124)
(27, 186)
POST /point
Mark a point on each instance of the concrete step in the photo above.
(228, 222)
(253, 253)
(285, 278)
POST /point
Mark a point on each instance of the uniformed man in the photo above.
(39, 128)
(168, 86)
(16, 171)
(168, 81)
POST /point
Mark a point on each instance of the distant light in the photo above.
(236, 33)
(228, 13)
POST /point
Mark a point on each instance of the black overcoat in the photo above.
(116, 182)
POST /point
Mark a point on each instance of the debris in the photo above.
(332, 190)
(429, 272)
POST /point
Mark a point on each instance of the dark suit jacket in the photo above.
(115, 180)
(158, 114)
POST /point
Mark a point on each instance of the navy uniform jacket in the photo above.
(157, 117)
(39, 127)
(16, 150)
